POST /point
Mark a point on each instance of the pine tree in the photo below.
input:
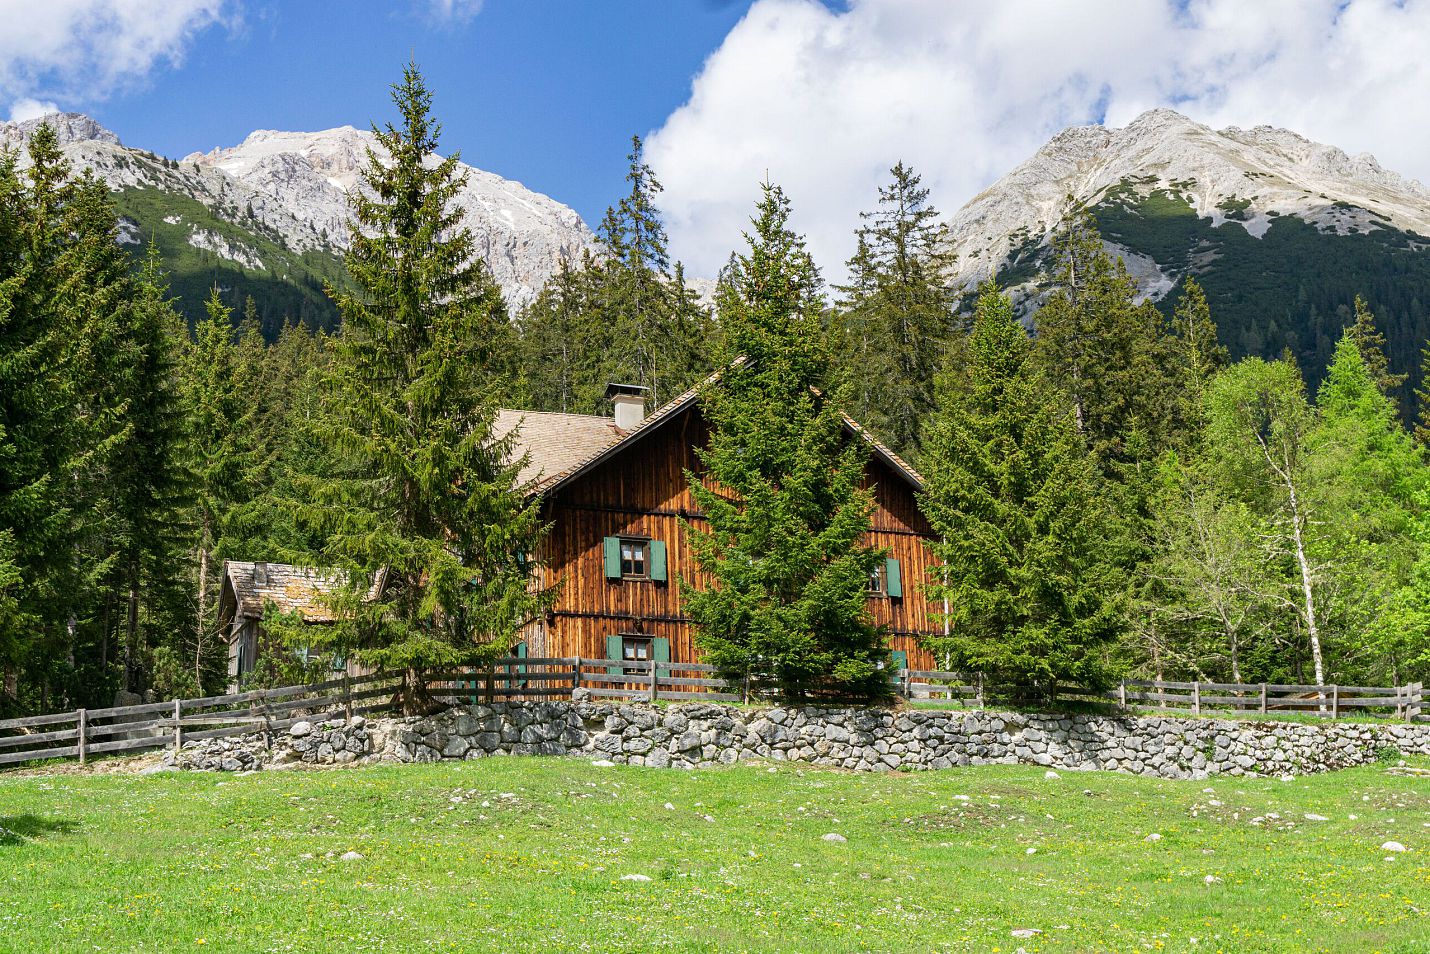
(1025, 536)
(782, 489)
(423, 498)
(1371, 343)
(897, 317)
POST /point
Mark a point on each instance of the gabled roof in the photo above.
(562, 447)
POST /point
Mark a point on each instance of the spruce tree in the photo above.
(782, 489)
(219, 394)
(1371, 344)
(897, 318)
(422, 505)
(1422, 399)
(1110, 354)
(1026, 540)
(1196, 356)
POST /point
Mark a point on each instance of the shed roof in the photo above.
(290, 588)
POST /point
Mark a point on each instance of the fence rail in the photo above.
(157, 725)
(86, 732)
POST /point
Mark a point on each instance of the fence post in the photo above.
(908, 680)
(1263, 698)
(745, 694)
(491, 684)
(347, 697)
(654, 680)
(575, 673)
(81, 725)
(1196, 697)
(1335, 702)
(178, 727)
(1122, 695)
(1415, 696)
(978, 699)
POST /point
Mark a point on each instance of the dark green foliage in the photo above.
(1027, 544)
(1371, 345)
(781, 489)
(1422, 398)
(896, 321)
(421, 497)
(1294, 287)
(624, 315)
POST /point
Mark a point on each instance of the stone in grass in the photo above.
(1051, 774)
(834, 837)
(1026, 932)
(350, 856)
(1211, 879)
(1312, 816)
(603, 763)
(635, 877)
(1392, 846)
(1153, 837)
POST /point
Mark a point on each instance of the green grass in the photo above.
(517, 854)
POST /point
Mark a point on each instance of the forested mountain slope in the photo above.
(267, 218)
(1282, 232)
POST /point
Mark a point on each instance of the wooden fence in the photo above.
(87, 732)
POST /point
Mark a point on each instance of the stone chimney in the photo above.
(260, 574)
(629, 402)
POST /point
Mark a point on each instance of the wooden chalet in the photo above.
(615, 494)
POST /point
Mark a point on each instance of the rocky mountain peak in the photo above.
(1249, 176)
(69, 128)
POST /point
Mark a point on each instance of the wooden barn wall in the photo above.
(643, 493)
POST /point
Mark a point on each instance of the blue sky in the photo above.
(547, 92)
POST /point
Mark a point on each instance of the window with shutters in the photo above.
(635, 559)
(878, 580)
(636, 649)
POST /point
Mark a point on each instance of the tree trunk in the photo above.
(131, 634)
(1312, 630)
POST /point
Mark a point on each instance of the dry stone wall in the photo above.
(695, 735)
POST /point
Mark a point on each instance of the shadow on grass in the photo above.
(17, 829)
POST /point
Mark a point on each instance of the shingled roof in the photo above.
(290, 588)
(556, 443)
(561, 447)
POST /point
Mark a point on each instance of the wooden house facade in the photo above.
(614, 492)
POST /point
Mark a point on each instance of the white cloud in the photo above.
(88, 49)
(457, 11)
(826, 101)
(24, 109)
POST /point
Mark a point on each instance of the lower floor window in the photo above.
(635, 649)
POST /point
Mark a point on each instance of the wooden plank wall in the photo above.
(643, 493)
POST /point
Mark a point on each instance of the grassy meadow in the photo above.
(530, 854)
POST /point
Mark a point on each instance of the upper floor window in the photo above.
(878, 580)
(635, 559)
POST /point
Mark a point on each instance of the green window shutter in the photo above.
(613, 558)
(613, 651)
(520, 651)
(898, 659)
(893, 580)
(657, 560)
(660, 649)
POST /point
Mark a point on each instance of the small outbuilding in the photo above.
(248, 588)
